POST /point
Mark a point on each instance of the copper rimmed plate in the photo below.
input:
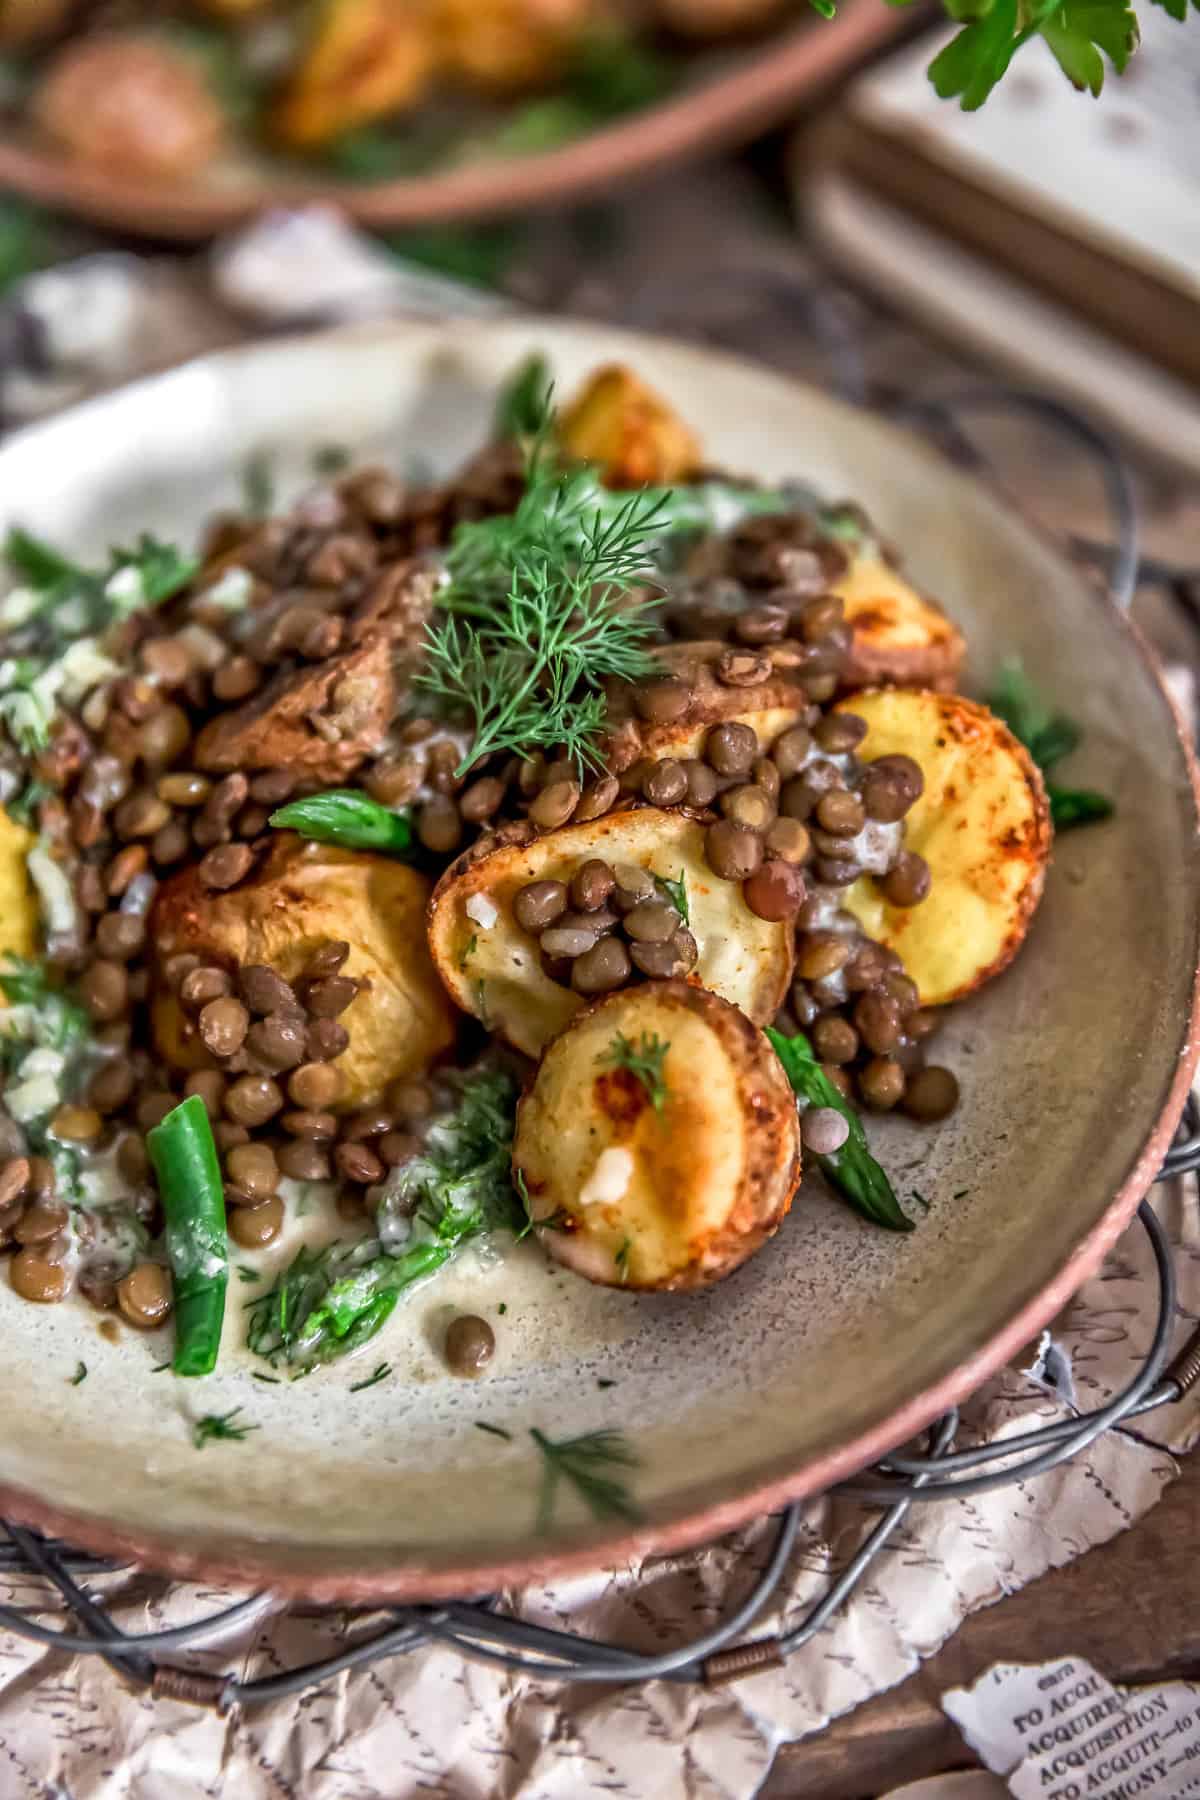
(837, 1341)
(752, 91)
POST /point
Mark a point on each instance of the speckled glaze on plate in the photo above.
(837, 1341)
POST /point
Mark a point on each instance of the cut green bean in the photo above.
(852, 1170)
(184, 1157)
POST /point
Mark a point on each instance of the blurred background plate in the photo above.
(726, 97)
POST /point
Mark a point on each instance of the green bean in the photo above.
(852, 1170)
(184, 1156)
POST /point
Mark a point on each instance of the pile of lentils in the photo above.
(122, 806)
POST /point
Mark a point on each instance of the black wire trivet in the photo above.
(933, 1472)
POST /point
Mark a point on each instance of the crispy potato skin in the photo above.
(303, 896)
(131, 105)
(743, 957)
(365, 59)
(982, 824)
(901, 637)
(770, 709)
(714, 1169)
(628, 431)
(354, 694)
(19, 918)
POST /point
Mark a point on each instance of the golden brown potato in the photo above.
(129, 105)
(352, 696)
(630, 433)
(306, 895)
(20, 921)
(364, 60)
(492, 969)
(24, 22)
(900, 636)
(506, 45)
(769, 709)
(669, 1181)
(983, 826)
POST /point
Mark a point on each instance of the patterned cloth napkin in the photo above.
(434, 1724)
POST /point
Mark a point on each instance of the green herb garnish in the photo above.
(81, 1370)
(38, 1014)
(1048, 736)
(330, 459)
(590, 1464)
(329, 1302)
(220, 1426)
(502, 1309)
(524, 406)
(604, 1381)
(676, 893)
(380, 1373)
(493, 1430)
(469, 949)
(645, 1062)
(245, 1274)
(347, 817)
(621, 1257)
(920, 1200)
(257, 1375)
(23, 806)
(852, 1170)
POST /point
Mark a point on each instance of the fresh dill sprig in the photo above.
(80, 1375)
(621, 1257)
(468, 951)
(224, 1426)
(591, 1465)
(493, 1430)
(247, 1274)
(379, 1373)
(540, 611)
(644, 1061)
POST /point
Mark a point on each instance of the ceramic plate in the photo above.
(837, 1341)
(729, 96)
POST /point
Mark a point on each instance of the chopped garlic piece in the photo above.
(126, 587)
(233, 591)
(32, 1099)
(54, 891)
(482, 910)
(609, 1180)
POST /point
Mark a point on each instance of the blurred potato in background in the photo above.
(131, 104)
(365, 59)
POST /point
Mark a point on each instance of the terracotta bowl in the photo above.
(755, 89)
(837, 1341)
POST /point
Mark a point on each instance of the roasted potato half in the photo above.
(900, 636)
(303, 896)
(492, 968)
(19, 917)
(129, 105)
(364, 59)
(506, 45)
(630, 433)
(672, 1180)
(983, 826)
(770, 709)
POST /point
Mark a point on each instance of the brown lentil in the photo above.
(144, 1296)
(278, 1042)
(748, 805)
(633, 886)
(909, 881)
(35, 1278)
(330, 996)
(315, 1086)
(539, 904)
(732, 851)
(481, 799)
(840, 813)
(76, 1124)
(835, 1039)
(652, 921)
(321, 1127)
(254, 1169)
(597, 798)
(223, 1025)
(891, 786)
(210, 1085)
(666, 961)
(788, 840)
(206, 983)
(877, 1018)
(823, 1130)
(604, 967)
(881, 1083)
(225, 865)
(104, 989)
(359, 1164)
(731, 748)
(304, 1160)
(41, 1222)
(252, 1099)
(228, 1135)
(743, 668)
(555, 804)
(411, 1101)
(840, 732)
(470, 1345)
(328, 960)
(326, 1039)
(661, 702)
(236, 679)
(264, 990)
(931, 1094)
(701, 784)
(439, 825)
(252, 1227)
(123, 868)
(14, 1179)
